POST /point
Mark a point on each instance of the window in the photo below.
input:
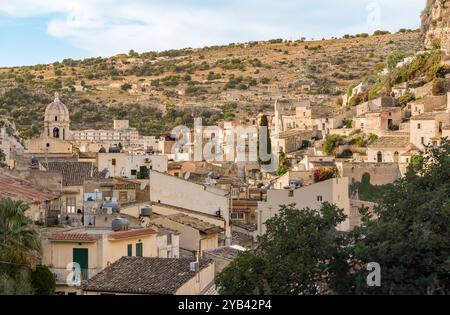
(123, 196)
(113, 162)
(71, 204)
(169, 239)
(139, 250)
(422, 140)
(130, 250)
(319, 198)
(56, 118)
(419, 126)
(238, 216)
(380, 157)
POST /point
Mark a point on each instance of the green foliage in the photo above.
(19, 243)
(407, 234)
(265, 124)
(372, 138)
(411, 237)
(43, 281)
(359, 141)
(15, 284)
(358, 99)
(2, 156)
(367, 191)
(405, 99)
(126, 86)
(348, 123)
(299, 252)
(395, 57)
(18, 240)
(282, 168)
(244, 276)
(380, 32)
(350, 90)
(331, 143)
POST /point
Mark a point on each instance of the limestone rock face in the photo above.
(436, 24)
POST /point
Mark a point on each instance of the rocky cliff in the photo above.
(436, 24)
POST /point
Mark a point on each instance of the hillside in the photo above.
(436, 24)
(157, 91)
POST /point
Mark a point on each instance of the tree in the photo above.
(43, 281)
(18, 246)
(265, 124)
(126, 86)
(18, 241)
(282, 168)
(2, 156)
(299, 254)
(411, 237)
(331, 143)
(133, 54)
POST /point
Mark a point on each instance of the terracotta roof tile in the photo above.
(72, 237)
(11, 187)
(74, 173)
(144, 275)
(195, 223)
(391, 142)
(131, 233)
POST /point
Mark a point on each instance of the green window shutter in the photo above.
(130, 250)
(139, 250)
(81, 256)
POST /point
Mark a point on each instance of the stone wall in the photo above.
(380, 173)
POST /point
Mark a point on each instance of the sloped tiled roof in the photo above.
(131, 233)
(391, 142)
(425, 116)
(15, 188)
(144, 275)
(72, 237)
(74, 173)
(195, 223)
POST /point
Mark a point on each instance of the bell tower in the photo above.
(57, 120)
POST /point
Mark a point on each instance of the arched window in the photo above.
(396, 157)
(380, 157)
(55, 133)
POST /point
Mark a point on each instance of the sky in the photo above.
(43, 31)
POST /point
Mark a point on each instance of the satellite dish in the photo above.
(145, 222)
(187, 175)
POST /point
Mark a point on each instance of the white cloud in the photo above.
(105, 27)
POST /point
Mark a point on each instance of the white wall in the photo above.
(126, 162)
(334, 191)
(177, 192)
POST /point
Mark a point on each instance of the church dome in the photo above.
(56, 111)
